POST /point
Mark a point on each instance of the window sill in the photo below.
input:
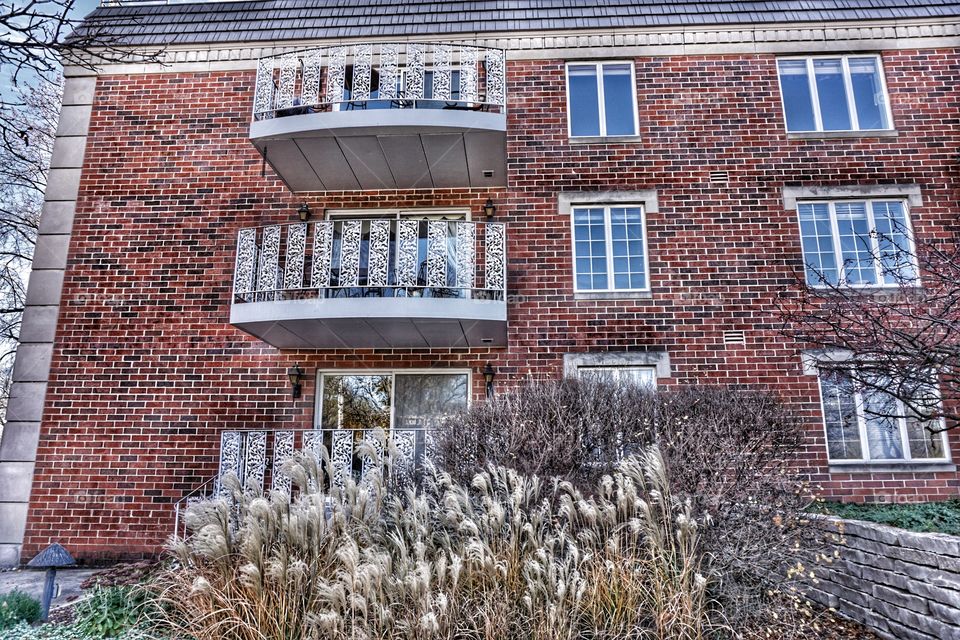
(604, 139)
(892, 467)
(612, 295)
(816, 135)
(868, 290)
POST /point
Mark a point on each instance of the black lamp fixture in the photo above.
(295, 373)
(489, 208)
(488, 374)
(304, 212)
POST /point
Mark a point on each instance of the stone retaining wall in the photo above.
(903, 585)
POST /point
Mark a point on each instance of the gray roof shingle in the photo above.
(276, 20)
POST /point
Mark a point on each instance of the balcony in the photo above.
(372, 283)
(383, 116)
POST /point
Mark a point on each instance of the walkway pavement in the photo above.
(32, 582)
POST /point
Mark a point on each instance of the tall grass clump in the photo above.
(505, 556)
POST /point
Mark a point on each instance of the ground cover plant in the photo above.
(936, 517)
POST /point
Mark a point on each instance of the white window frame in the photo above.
(399, 214)
(848, 86)
(608, 240)
(862, 433)
(835, 240)
(601, 107)
(393, 373)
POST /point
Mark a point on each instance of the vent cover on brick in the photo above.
(734, 337)
(719, 177)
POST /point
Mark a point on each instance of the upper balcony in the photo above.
(383, 116)
(372, 283)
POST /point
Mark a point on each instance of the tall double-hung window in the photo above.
(609, 248)
(834, 93)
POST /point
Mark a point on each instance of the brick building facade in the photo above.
(131, 370)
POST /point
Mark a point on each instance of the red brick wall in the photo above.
(147, 372)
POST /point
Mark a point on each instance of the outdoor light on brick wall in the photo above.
(295, 373)
(304, 212)
(489, 208)
(488, 374)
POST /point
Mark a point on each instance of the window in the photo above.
(609, 248)
(624, 375)
(841, 93)
(601, 99)
(857, 242)
(869, 425)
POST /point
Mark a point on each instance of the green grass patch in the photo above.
(939, 517)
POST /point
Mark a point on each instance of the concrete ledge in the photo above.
(44, 288)
(57, 217)
(658, 359)
(26, 401)
(62, 184)
(16, 479)
(74, 120)
(909, 191)
(79, 91)
(647, 197)
(68, 153)
(13, 520)
(51, 252)
(19, 442)
(33, 362)
(39, 324)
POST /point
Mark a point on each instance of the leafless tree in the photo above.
(899, 341)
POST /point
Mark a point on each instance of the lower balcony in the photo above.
(372, 283)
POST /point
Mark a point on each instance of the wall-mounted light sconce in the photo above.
(488, 375)
(489, 208)
(295, 373)
(304, 212)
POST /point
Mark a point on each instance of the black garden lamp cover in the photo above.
(53, 557)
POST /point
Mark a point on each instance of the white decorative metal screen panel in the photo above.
(378, 257)
(416, 63)
(350, 253)
(405, 450)
(389, 71)
(495, 77)
(441, 72)
(372, 464)
(289, 65)
(296, 246)
(255, 459)
(269, 256)
(231, 459)
(341, 456)
(246, 261)
(336, 74)
(263, 98)
(436, 253)
(322, 254)
(466, 254)
(408, 252)
(469, 91)
(312, 68)
(495, 256)
(283, 448)
(362, 67)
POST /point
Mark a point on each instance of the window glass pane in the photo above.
(868, 94)
(855, 244)
(624, 375)
(584, 101)
(590, 254)
(832, 93)
(356, 402)
(840, 416)
(816, 232)
(893, 242)
(618, 99)
(797, 100)
(424, 401)
(881, 411)
(626, 227)
(924, 438)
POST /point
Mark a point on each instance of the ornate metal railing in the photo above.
(371, 257)
(404, 75)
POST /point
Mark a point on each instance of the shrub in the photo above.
(939, 517)
(17, 606)
(730, 452)
(509, 556)
(109, 611)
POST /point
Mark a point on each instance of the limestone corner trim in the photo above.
(31, 371)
